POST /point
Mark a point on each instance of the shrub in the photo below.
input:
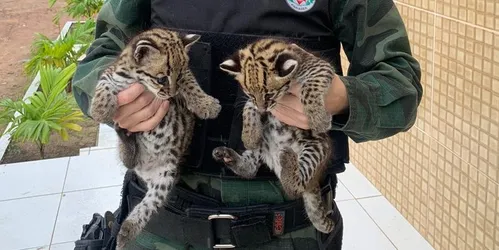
(78, 9)
(48, 111)
(61, 52)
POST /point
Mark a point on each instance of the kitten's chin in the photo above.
(262, 110)
(162, 95)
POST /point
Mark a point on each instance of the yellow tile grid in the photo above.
(484, 13)
(420, 29)
(428, 5)
(443, 174)
(462, 203)
(465, 114)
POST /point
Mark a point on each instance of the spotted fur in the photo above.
(158, 59)
(265, 69)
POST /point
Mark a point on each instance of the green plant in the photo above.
(78, 9)
(61, 52)
(48, 111)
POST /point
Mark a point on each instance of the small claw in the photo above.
(222, 154)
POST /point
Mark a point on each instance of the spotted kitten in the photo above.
(265, 69)
(158, 59)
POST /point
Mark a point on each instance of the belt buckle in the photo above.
(226, 217)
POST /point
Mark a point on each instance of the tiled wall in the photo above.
(443, 175)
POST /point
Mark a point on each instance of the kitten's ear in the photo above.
(232, 65)
(143, 48)
(294, 45)
(189, 39)
(286, 64)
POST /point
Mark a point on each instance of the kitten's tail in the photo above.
(317, 211)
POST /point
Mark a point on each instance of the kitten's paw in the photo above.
(319, 121)
(102, 110)
(252, 129)
(290, 191)
(291, 183)
(226, 155)
(325, 226)
(209, 108)
(288, 159)
(128, 232)
(251, 137)
(250, 142)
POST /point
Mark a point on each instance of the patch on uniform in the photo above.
(278, 227)
(301, 5)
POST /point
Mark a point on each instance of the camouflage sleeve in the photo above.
(383, 80)
(117, 21)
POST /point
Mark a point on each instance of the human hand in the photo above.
(139, 110)
(289, 109)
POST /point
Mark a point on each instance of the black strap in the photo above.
(202, 221)
(98, 233)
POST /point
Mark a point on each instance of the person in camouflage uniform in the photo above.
(377, 98)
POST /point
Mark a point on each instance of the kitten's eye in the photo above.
(162, 80)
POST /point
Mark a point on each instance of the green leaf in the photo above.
(38, 100)
(62, 79)
(45, 134)
(64, 134)
(72, 126)
(54, 125)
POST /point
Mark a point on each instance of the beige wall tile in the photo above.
(443, 174)
(484, 13)
(465, 102)
(420, 29)
(462, 207)
(423, 4)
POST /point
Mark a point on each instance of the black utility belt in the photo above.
(203, 221)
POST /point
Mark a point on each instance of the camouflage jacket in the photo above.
(383, 80)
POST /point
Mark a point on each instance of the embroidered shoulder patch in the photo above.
(301, 5)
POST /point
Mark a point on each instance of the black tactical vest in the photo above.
(225, 26)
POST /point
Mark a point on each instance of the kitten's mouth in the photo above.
(261, 110)
(162, 94)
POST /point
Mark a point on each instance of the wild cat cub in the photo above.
(158, 59)
(265, 70)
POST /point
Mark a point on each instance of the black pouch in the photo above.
(200, 65)
(99, 233)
